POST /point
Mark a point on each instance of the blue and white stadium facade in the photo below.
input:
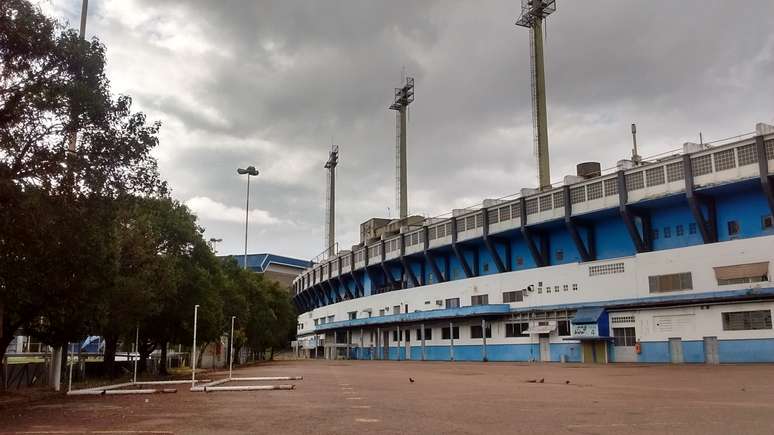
(665, 261)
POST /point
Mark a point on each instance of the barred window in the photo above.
(479, 220)
(670, 283)
(624, 337)
(559, 199)
(446, 334)
(724, 160)
(431, 233)
(545, 203)
(513, 296)
(701, 165)
(769, 149)
(441, 230)
(594, 190)
(492, 216)
(505, 213)
(611, 186)
(655, 176)
(516, 210)
(477, 332)
(746, 155)
(532, 206)
(578, 194)
(516, 329)
(416, 238)
(479, 300)
(470, 222)
(606, 269)
(622, 319)
(746, 320)
(634, 181)
(675, 171)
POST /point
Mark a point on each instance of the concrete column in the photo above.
(378, 342)
(349, 344)
(400, 342)
(362, 349)
(451, 336)
(483, 334)
(56, 368)
(422, 334)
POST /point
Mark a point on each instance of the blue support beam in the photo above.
(586, 253)
(458, 251)
(387, 275)
(708, 227)
(358, 285)
(642, 242)
(489, 243)
(429, 259)
(539, 255)
(404, 262)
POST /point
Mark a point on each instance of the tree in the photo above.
(56, 206)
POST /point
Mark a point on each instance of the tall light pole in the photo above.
(249, 171)
(193, 351)
(231, 348)
(213, 244)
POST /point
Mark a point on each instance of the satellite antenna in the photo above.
(330, 201)
(533, 14)
(403, 97)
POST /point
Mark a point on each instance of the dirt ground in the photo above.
(353, 397)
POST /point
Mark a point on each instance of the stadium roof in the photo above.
(260, 262)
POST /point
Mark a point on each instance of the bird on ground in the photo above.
(541, 380)
(411, 380)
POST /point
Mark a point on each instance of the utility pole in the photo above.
(636, 159)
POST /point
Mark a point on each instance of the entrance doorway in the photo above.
(711, 350)
(408, 343)
(676, 350)
(594, 352)
(545, 347)
(386, 345)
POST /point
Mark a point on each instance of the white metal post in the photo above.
(247, 216)
(231, 348)
(137, 351)
(70, 360)
(193, 351)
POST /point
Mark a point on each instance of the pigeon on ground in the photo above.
(541, 380)
(411, 380)
(566, 382)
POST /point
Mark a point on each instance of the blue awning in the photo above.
(418, 316)
(587, 315)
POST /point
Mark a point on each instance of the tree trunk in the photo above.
(163, 361)
(271, 355)
(200, 355)
(109, 359)
(145, 351)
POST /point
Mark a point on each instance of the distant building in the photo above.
(274, 267)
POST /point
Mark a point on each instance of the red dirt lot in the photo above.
(377, 397)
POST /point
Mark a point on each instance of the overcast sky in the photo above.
(271, 83)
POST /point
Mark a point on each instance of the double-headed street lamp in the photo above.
(249, 171)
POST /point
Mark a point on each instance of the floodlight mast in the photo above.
(533, 12)
(330, 212)
(403, 97)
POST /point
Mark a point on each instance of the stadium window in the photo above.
(479, 300)
(667, 232)
(475, 331)
(453, 303)
(670, 283)
(396, 309)
(428, 334)
(733, 228)
(565, 287)
(513, 296)
(381, 312)
(624, 336)
(563, 328)
(395, 335)
(445, 333)
(516, 329)
(330, 319)
(679, 230)
(352, 315)
(692, 228)
(746, 320)
(575, 287)
(742, 273)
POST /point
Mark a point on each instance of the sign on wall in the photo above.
(585, 330)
